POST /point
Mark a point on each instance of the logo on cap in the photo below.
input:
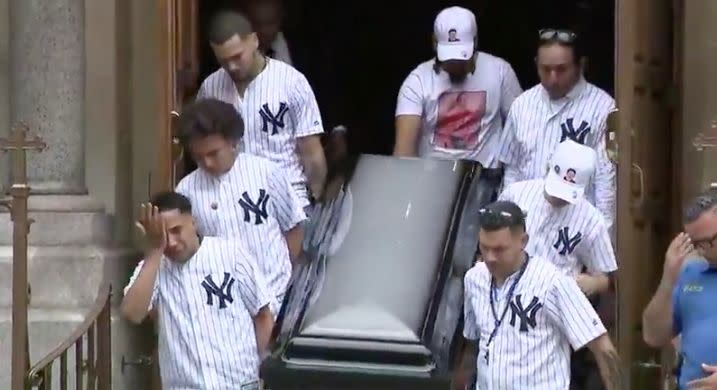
(570, 175)
(557, 169)
(452, 35)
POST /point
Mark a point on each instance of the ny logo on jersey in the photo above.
(570, 132)
(257, 208)
(223, 292)
(275, 120)
(525, 314)
(565, 245)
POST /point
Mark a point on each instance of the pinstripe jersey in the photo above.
(278, 107)
(460, 121)
(570, 236)
(536, 125)
(206, 306)
(545, 317)
(253, 202)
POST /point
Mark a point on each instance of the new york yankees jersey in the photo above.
(206, 306)
(460, 121)
(278, 107)
(546, 316)
(253, 202)
(570, 236)
(536, 125)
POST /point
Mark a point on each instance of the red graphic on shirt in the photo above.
(459, 120)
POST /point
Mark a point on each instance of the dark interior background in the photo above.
(356, 54)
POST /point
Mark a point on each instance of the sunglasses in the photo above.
(492, 217)
(562, 36)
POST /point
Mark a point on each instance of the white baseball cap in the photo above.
(571, 169)
(455, 29)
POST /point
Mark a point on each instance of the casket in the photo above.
(378, 303)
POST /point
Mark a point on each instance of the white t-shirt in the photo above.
(460, 121)
(280, 49)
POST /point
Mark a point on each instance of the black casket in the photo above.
(378, 303)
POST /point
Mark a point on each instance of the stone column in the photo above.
(47, 89)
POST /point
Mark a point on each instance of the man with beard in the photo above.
(454, 105)
(281, 116)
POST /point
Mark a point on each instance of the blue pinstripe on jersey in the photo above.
(538, 356)
(278, 84)
(218, 212)
(535, 127)
(543, 221)
(203, 346)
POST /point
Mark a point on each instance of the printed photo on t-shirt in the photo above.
(459, 119)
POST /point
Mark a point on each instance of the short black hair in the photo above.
(576, 44)
(702, 203)
(209, 116)
(170, 200)
(227, 24)
(501, 214)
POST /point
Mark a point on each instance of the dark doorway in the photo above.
(356, 54)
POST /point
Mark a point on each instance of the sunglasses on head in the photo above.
(495, 217)
(563, 36)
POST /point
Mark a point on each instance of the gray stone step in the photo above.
(63, 277)
(62, 220)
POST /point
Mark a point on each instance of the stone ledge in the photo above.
(65, 277)
(64, 203)
(62, 228)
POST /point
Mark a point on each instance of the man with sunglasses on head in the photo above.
(563, 106)
(454, 105)
(522, 315)
(683, 304)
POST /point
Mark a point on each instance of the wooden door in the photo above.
(179, 72)
(644, 85)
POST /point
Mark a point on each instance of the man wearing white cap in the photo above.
(454, 105)
(566, 229)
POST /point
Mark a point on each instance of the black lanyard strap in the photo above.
(493, 292)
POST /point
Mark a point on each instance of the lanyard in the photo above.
(499, 321)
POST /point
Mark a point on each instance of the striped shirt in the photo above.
(253, 202)
(206, 306)
(278, 107)
(536, 124)
(570, 237)
(546, 315)
(460, 121)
